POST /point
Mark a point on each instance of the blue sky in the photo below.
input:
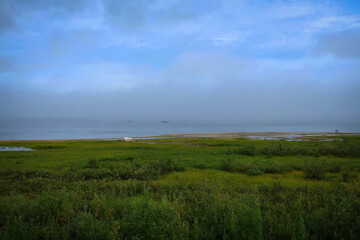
(208, 59)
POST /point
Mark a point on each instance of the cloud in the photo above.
(231, 59)
(344, 44)
(127, 14)
(21, 13)
(6, 64)
(75, 41)
(287, 10)
(69, 6)
(258, 24)
(6, 20)
(230, 38)
(172, 12)
(334, 23)
(155, 15)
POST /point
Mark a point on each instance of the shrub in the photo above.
(109, 160)
(227, 165)
(92, 163)
(146, 219)
(166, 166)
(346, 177)
(274, 167)
(334, 167)
(253, 171)
(247, 149)
(85, 226)
(98, 174)
(244, 149)
(26, 174)
(129, 158)
(268, 151)
(299, 229)
(243, 221)
(255, 168)
(315, 169)
(282, 150)
(17, 228)
(200, 166)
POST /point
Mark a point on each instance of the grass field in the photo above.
(198, 188)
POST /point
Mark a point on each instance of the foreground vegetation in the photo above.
(181, 189)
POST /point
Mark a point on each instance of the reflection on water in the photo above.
(7, 149)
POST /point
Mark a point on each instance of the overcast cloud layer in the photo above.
(240, 60)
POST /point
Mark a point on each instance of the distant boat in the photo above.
(129, 121)
(164, 121)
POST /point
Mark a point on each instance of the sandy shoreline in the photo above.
(295, 136)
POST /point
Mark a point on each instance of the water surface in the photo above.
(86, 129)
(11, 149)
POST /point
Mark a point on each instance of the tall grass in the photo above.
(218, 189)
(346, 148)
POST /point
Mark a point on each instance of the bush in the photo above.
(255, 167)
(244, 149)
(200, 166)
(315, 169)
(274, 167)
(334, 167)
(166, 166)
(17, 228)
(243, 221)
(26, 174)
(85, 226)
(227, 165)
(253, 171)
(92, 163)
(346, 177)
(247, 149)
(146, 219)
(268, 151)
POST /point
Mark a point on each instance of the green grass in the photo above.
(197, 188)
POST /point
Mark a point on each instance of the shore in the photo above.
(289, 136)
(294, 136)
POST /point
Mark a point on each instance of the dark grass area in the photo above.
(181, 189)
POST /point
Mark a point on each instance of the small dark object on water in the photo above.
(336, 131)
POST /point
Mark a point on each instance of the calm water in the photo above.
(81, 129)
(14, 149)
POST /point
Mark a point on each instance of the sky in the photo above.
(253, 60)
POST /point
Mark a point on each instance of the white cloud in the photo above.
(285, 10)
(334, 23)
(230, 38)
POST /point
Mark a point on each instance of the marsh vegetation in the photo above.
(181, 189)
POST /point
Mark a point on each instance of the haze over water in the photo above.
(85, 129)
